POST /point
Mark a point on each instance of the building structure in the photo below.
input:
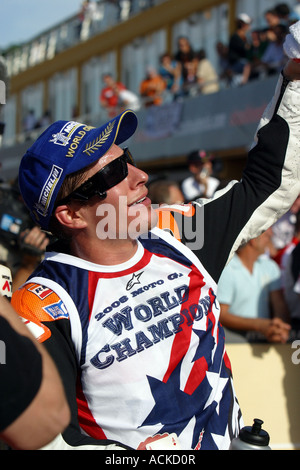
(60, 71)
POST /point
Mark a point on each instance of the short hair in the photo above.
(158, 191)
(70, 183)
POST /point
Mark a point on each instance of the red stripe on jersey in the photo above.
(85, 417)
(227, 361)
(210, 314)
(198, 372)
(182, 339)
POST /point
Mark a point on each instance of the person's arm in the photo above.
(55, 335)
(269, 184)
(274, 330)
(279, 306)
(33, 243)
(48, 413)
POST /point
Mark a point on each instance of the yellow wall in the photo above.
(267, 385)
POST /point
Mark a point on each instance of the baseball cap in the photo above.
(245, 18)
(64, 148)
(199, 156)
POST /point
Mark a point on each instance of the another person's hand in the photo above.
(35, 238)
(275, 330)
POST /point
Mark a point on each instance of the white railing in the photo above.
(72, 31)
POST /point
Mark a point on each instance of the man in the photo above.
(163, 191)
(152, 88)
(250, 294)
(128, 311)
(201, 183)
(110, 95)
(238, 49)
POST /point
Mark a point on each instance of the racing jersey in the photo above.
(142, 340)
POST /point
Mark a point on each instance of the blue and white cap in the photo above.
(64, 148)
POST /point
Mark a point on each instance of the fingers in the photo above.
(36, 238)
(278, 331)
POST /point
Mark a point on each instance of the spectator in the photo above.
(224, 72)
(152, 88)
(274, 58)
(33, 406)
(45, 119)
(115, 97)
(201, 183)
(284, 229)
(284, 13)
(188, 61)
(291, 284)
(295, 14)
(110, 95)
(87, 16)
(165, 192)
(283, 255)
(208, 80)
(250, 294)
(30, 122)
(129, 100)
(259, 44)
(170, 71)
(238, 49)
(272, 18)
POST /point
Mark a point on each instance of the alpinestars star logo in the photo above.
(134, 280)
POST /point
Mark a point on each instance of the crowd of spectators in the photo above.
(250, 54)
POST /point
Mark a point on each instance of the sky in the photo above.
(21, 20)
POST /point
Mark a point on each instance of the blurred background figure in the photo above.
(207, 77)
(201, 183)
(170, 71)
(239, 45)
(187, 58)
(165, 192)
(115, 97)
(250, 293)
(272, 18)
(274, 58)
(87, 15)
(152, 88)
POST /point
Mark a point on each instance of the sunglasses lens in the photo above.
(128, 156)
(110, 175)
(113, 173)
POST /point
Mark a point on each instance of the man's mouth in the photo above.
(139, 201)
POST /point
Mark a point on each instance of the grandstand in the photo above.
(60, 70)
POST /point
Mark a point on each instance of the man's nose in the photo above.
(137, 176)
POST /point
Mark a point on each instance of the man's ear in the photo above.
(69, 217)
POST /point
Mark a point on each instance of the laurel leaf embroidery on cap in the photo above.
(93, 146)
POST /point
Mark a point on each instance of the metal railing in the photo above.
(72, 31)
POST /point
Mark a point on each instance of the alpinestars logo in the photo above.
(134, 280)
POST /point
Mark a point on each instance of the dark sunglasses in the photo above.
(110, 175)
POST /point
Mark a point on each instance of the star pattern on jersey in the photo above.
(202, 403)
